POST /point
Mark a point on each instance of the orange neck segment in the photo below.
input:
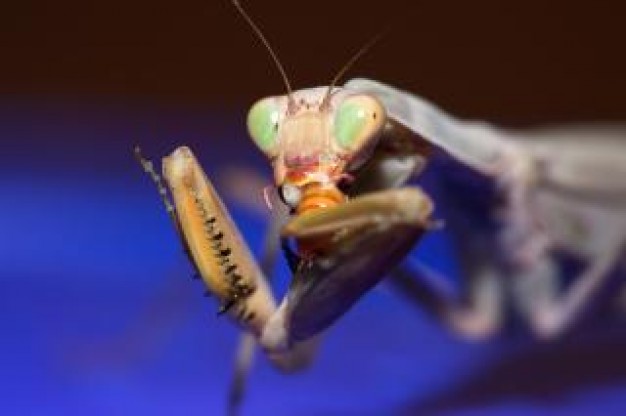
(317, 196)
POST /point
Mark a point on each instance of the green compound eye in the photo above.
(358, 120)
(263, 125)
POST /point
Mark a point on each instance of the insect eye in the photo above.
(262, 123)
(358, 120)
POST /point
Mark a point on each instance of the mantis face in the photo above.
(314, 143)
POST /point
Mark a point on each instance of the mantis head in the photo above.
(314, 138)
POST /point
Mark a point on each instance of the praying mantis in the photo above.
(341, 158)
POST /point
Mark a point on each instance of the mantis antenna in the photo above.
(326, 101)
(257, 31)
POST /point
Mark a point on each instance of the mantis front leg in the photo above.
(215, 244)
(365, 238)
(217, 250)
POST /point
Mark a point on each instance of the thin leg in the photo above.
(423, 287)
(477, 315)
(551, 315)
(473, 308)
(241, 371)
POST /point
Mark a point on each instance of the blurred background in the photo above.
(100, 314)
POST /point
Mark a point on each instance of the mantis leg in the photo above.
(550, 313)
(478, 314)
(215, 244)
(243, 364)
(365, 238)
(219, 252)
(223, 258)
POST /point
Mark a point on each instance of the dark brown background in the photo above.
(513, 62)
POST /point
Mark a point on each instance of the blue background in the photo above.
(100, 315)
